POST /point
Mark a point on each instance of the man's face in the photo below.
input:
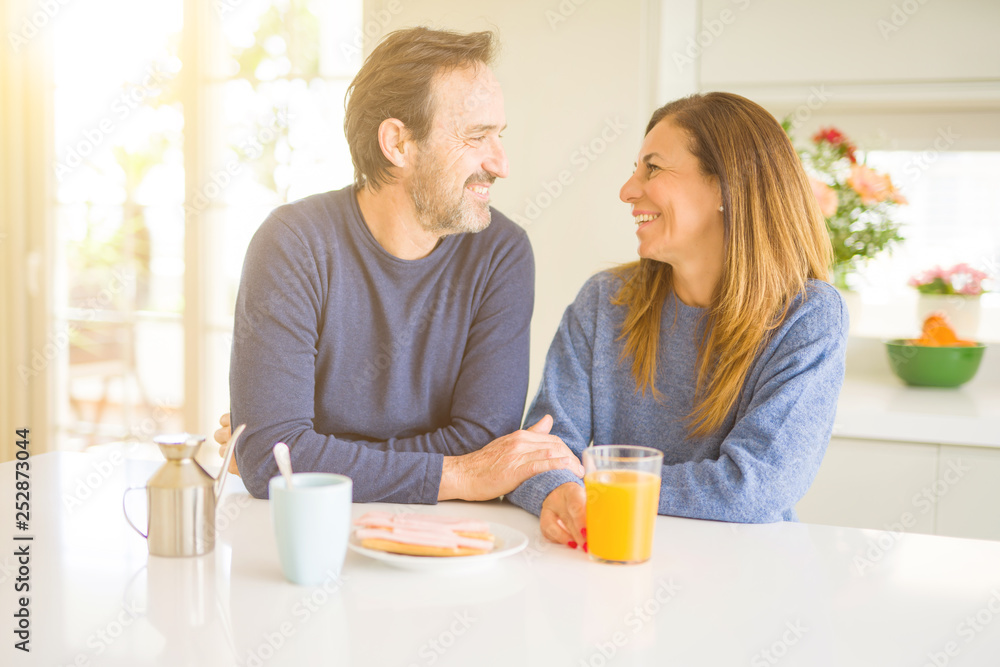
(462, 155)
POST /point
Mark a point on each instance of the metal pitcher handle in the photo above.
(125, 511)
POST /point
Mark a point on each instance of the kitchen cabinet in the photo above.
(873, 484)
(905, 486)
(970, 506)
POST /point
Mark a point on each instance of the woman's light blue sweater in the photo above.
(766, 454)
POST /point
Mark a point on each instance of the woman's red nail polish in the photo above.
(585, 548)
(583, 531)
(571, 544)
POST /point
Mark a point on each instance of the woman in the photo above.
(723, 346)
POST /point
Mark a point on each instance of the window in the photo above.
(953, 216)
(119, 242)
(160, 184)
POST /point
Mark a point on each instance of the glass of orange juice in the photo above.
(623, 495)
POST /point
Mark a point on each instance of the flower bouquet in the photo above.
(857, 201)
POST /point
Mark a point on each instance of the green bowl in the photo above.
(933, 366)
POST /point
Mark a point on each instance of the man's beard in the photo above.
(437, 211)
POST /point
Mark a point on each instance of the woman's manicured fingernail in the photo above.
(583, 531)
(585, 548)
(571, 544)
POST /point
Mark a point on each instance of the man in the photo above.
(382, 330)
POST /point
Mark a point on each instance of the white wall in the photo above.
(852, 41)
(890, 73)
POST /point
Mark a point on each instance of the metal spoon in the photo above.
(284, 460)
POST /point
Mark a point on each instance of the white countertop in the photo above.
(875, 404)
(713, 594)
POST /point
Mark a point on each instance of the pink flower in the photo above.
(967, 271)
(928, 276)
(872, 186)
(826, 197)
(959, 279)
(965, 279)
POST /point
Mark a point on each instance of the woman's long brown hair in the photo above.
(776, 240)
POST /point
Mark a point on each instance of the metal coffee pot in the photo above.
(181, 498)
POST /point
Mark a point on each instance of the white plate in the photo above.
(508, 542)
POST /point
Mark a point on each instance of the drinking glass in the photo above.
(623, 494)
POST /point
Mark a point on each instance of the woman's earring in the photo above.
(721, 209)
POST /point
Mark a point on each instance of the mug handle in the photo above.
(125, 511)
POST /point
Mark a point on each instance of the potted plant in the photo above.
(954, 292)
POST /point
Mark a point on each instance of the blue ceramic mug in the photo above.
(312, 523)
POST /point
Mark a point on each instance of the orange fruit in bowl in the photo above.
(938, 332)
(939, 358)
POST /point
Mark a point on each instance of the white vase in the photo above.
(962, 312)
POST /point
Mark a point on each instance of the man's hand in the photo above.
(564, 516)
(501, 466)
(222, 436)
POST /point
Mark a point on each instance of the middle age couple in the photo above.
(382, 330)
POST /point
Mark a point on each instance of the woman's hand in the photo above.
(564, 516)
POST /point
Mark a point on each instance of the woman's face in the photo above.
(674, 205)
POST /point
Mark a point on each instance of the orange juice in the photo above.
(621, 511)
